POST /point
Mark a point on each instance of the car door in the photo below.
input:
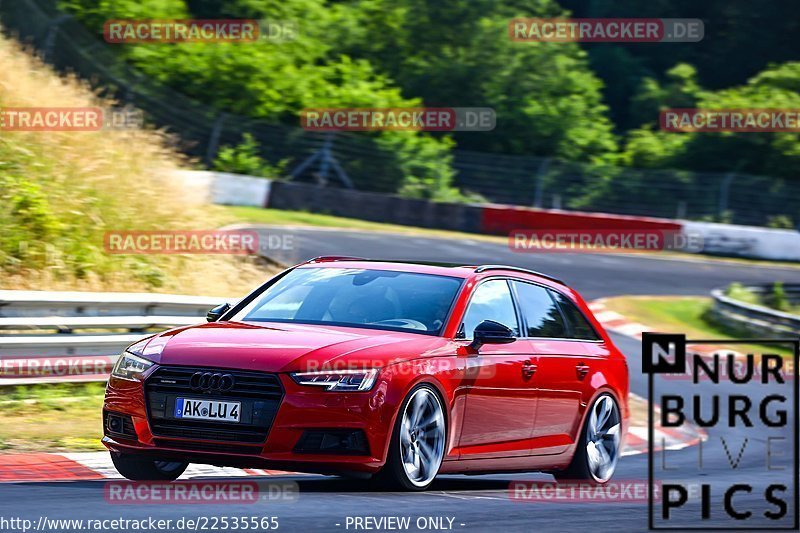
(581, 356)
(500, 399)
(558, 359)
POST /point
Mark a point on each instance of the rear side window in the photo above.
(581, 329)
(540, 311)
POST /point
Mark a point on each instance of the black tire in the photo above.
(579, 469)
(138, 468)
(393, 474)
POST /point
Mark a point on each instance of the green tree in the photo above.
(769, 154)
(244, 158)
(277, 80)
(742, 38)
(459, 54)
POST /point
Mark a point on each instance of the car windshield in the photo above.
(378, 299)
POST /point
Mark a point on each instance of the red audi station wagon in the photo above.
(397, 371)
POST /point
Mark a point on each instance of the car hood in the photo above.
(284, 347)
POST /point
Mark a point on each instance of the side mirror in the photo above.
(491, 332)
(214, 314)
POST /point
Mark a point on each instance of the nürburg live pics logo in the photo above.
(744, 477)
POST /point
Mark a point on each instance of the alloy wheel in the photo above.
(603, 439)
(422, 437)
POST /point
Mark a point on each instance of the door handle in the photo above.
(582, 369)
(528, 369)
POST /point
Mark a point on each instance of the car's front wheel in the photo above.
(142, 469)
(418, 441)
(598, 449)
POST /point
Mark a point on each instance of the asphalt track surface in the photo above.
(482, 503)
(594, 275)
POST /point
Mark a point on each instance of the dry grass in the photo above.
(230, 277)
(61, 191)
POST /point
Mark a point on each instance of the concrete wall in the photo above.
(375, 207)
(746, 241)
(227, 189)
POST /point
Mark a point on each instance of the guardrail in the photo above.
(757, 319)
(28, 354)
(47, 303)
(67, 324)
(37, 346)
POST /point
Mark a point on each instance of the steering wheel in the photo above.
(402, 323)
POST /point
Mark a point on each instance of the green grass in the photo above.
(50, 392)
(682, 314)
(737, 291)
(279, 217)
(257, 215)
(53, 417)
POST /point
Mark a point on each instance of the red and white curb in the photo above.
(88, 466)
(684, 436)
(613, 321)
(665, 438)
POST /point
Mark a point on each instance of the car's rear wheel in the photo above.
(138, 468)
(598, 450)
(418, 441)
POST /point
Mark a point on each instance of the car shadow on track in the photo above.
(443, 484)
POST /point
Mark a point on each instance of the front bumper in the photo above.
(302, 414)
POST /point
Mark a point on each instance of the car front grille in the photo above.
(259, 393)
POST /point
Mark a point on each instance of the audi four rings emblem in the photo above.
(211, 382)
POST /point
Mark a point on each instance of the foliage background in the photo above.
(594, 103)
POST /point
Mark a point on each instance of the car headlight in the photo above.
(130, 367)
(338, 380)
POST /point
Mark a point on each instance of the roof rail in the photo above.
(484, 268)
(325, 258)
(478, 269)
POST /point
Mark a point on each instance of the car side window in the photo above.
(541, 313)
(580, 326)
(491, 301)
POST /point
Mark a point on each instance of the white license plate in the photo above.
(207, 410)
